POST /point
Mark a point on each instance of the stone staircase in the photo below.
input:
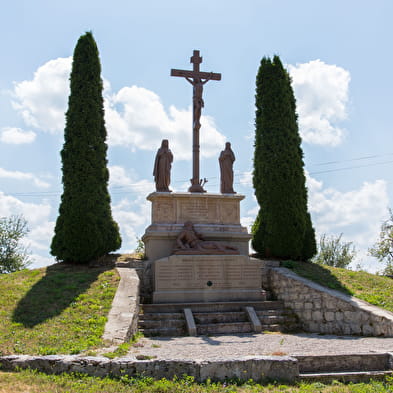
(179, 319)
(345, 368)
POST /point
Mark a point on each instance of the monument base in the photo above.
(215, 216)
(205, 278)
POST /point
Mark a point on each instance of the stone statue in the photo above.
(189, 241)
(226, 160)
(162, 167)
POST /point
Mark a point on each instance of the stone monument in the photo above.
(197, 249)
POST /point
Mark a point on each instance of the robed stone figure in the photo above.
(162, 167)
(226, 160)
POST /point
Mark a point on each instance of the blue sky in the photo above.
(337, 52)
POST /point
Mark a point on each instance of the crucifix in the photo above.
(197, 79)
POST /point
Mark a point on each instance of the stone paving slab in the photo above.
(243, 345)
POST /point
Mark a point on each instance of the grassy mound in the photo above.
(60, 309)
(377, 290)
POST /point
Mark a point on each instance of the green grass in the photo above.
(34, 382)
(377, 290)
(60, 309)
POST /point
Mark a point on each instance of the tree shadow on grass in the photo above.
(318, 274)
(54, 292)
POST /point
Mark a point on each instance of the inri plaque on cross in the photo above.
(197, 79)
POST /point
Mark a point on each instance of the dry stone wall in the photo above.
(322, 310)
(283, 368)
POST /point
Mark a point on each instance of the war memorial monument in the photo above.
(197, 248)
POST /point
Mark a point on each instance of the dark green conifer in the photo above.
(85, 229)
(283, 227)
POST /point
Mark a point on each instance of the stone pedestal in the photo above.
(203, 278)
(199, 278)
(215, 216)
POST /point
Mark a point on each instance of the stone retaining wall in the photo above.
(281, 368)
(123, 316)
(323, 310)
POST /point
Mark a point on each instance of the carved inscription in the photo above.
(173, 208)
(163, 211)
(194, 210)
(190, 273)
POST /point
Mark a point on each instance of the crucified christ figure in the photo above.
(197, 79)
(197, 99)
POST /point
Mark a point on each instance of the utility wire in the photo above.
(120, 190)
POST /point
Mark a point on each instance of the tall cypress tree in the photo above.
(283, 227)
(85, 229)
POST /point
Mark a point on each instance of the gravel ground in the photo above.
(229, 346)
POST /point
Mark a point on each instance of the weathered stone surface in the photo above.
(123, 316)
(184, 278)
(283, 368)
(340, 363)
(215, 216)
(328, 311)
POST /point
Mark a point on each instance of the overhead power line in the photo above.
(132, 188)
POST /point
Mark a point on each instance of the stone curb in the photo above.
(280, 368)
(123, 315)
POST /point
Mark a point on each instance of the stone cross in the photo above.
(197, 78)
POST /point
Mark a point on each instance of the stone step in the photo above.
(164, 332)
(221, 317)
(213, 306)
(224, 328)
(346, 376)
(273, 328)
(167, 323)
(161, 316)
(272, 319)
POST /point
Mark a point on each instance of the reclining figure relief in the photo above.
(189, 241)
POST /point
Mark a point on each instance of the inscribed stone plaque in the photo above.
(193, 209)
(164, 211)
(195, 272)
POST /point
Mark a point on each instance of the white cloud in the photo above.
(16, 175)
(16, 136)
(42, 101)
(133, 211)
(357, 214)
(133, 216)
(35, 213)
(321, 92)
(246, 178)
(41, 261)
(137, 118)
(41, 235)
(118, 178)
(335, 210)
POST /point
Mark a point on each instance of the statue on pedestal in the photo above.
(226, 160)
(162, 167)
